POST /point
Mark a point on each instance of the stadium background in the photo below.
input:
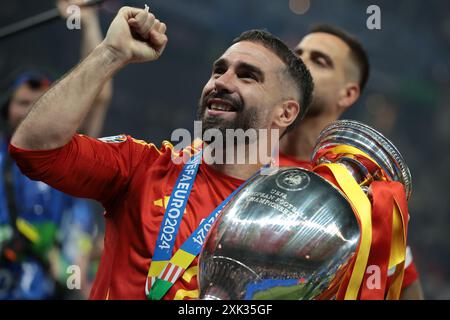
(407, 98)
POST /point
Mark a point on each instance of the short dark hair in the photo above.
(296, 69)
(358, 53)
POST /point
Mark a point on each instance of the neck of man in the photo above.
(300, 142)
(237, 171)
(242, 169)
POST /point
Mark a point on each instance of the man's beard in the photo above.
(246, 117)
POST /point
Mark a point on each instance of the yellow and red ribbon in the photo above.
(383, 224)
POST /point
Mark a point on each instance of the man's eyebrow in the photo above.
(241, 66)
(298, 51)
(220, 63)
(320, 54)
(316, 53)
(254, 69)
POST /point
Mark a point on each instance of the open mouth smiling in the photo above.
(220, 105)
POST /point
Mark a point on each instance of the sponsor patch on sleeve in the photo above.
(114, 139)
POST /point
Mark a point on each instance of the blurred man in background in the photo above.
(43, 231)
(340, 69)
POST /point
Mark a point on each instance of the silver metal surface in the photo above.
(370, 141)
(291, 235)
(284, 236)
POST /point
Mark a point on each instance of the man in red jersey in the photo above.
(257, 83)
(340, 68)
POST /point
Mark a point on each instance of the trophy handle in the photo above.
(369, 141)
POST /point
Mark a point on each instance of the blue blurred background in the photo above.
(407, 98)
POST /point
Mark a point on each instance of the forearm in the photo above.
(93, 124)
(135, 35)
(58, 114)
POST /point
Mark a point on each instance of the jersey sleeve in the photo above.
(87, 167)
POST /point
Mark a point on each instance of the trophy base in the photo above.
(216, 293)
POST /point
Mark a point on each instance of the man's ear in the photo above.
(349, 95)
(286, 113)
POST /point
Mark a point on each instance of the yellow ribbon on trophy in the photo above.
(363, 209)
(352, 283)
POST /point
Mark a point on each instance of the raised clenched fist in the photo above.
(135, 35)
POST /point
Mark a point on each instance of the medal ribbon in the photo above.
(163, 276)
(172, 218)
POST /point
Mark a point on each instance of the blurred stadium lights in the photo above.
(190, 11)
(410, 79)
(299, 6)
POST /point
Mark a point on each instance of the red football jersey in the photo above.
(133, 180)
(288, 161)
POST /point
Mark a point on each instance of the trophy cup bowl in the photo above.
(292, 234)
(284, 237)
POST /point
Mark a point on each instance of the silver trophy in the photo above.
(292, 234)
